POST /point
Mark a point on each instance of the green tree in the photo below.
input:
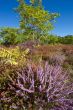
(34, 20)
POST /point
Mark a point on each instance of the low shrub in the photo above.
(11, 55)
(41, 87)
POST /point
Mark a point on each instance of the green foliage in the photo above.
(53, 39)
(35, 20)
(12, 36)
(8, 35)
(35, 23)
(11, 56)
(66, 39)
(49, 39)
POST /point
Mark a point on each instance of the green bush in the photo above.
(8, 35)
(66, 39)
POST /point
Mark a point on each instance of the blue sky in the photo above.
(63, 25)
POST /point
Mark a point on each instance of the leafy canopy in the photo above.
(34, 19)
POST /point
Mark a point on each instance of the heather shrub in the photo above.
(69, 59)
(67, 49)
(42, 87)
(51, 53)
(28, 44)
(56, 58)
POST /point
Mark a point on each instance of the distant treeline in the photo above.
(68, 39)
(13, 36)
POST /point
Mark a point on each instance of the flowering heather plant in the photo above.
(57, 58)
(45, 87)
